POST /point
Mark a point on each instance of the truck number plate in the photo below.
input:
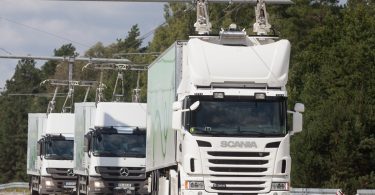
(70, 183)
(125, 185)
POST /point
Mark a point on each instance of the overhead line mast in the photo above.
(120, 68)
(68, 103)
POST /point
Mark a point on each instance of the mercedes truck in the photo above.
(217, 117)
(50, 153)
(110, 148)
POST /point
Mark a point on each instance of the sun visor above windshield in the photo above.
(213, 63)
(60, 123)
(120, 114)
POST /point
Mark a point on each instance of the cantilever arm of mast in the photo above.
(57, 82)
(67, 58)
(186, 1)
(119, 67)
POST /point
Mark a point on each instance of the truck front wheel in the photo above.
(32, 184)
(33, 192)
(81, 185)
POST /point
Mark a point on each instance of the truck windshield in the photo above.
(120, 145)
(59, 150)
(239, 118)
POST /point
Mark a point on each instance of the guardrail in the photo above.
(365, 192)
(315, 191)
(293, 191)
(14, 185)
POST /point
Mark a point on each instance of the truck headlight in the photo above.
(194, 185)
(49, 183)
(280, 186)
(98, 184)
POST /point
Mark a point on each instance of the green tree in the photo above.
(13, 114)
(332, 76)
(131, 42)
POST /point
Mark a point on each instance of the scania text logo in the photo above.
(124, 172)
(238, 144)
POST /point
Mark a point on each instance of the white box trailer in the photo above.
(85, 118)
(50, 153)
(216, 120)
(36, 125)
(110, 147)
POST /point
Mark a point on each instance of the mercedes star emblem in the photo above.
(70, 172)
(124, 172)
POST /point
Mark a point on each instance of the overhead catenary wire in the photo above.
(45, 32)
(144, 36)
(10, 56)
(141, 38)
(6, 51)
(149, 33)
(139, 53)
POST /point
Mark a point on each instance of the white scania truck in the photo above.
(217, 117)
(110, 148)
(50, 153)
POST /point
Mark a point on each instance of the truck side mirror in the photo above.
(195, 105)
(86, 143)
(297, 122)
(297, 118)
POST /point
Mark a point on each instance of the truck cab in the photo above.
(217, 116)
(54, 151)
(114, 147)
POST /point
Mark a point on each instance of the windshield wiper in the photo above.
(64, 158)
(262, 134)
(58, 157)
(135, 155)
(202, 130)
(67, 157)
(220, 133)
(106, 154)
(209, 131)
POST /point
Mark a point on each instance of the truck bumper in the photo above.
(203, 192)
(56, 186)
(99, 186)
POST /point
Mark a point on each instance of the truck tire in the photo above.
(174, 182)
(33, 192)
(79, 188)
(155, 182)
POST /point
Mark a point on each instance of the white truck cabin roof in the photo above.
(120, 114)
(211, 63)
(60, 123)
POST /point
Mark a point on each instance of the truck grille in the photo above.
(239, 162)
(231, 171)
(137, 173)
(61, 173)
